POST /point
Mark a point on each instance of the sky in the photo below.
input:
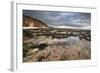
(59, 18)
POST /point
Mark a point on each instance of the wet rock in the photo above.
(47, 49)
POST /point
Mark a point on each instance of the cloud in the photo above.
(61, 18)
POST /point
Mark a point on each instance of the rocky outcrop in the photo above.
(59, 33)
(51, 44)
(57, 50)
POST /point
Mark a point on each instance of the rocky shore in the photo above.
(37, 48)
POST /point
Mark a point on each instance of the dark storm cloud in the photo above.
(55, 18)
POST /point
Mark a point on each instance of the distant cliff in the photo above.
(32, 22)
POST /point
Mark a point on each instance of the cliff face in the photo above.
(32, 22)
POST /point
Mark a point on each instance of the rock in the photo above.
(44, 48)
(84, 44)
(32, 51)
